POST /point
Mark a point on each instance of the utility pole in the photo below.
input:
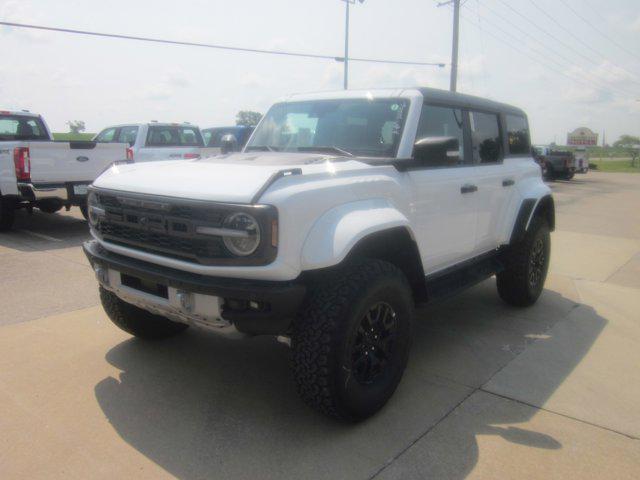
(453, 85)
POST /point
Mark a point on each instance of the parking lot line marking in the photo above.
(40, 235)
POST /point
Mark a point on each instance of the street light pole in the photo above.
(346, 46)
(454, 47)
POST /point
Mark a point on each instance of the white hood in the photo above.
(232, 178)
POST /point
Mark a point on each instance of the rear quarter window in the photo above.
(518, 135)
(17, 127)
(173, 136)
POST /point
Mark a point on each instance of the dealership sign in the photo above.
(582, 136)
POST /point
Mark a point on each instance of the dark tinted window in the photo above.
(441, 122)
(173, 136)
(518, 134)
(128, 134)
(107, 136)
(17, 127)
(485, 134)
(213, 136)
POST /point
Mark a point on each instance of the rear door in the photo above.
(170, 142)
(445, 198)
(489, 174)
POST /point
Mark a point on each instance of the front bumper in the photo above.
(276, 303)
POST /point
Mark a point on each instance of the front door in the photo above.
(444, 203)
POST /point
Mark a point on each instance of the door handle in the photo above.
(508, 182)
(468, 188)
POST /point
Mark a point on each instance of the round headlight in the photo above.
(93, 207)
(248, 234)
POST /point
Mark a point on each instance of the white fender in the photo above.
(336, 232)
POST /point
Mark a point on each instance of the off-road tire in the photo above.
(7, 214)
(136, 321)
(85, 212)
(514, 283)
(569, 176)
(326, 334)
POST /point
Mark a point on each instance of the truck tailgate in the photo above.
(72, 161)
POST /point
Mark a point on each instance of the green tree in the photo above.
(627, 141)
(248, 118)
(76, 126)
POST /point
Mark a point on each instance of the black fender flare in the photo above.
(529, 208)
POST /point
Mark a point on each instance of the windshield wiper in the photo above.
(262, 148)
(328, 149)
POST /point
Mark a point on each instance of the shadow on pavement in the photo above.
(205, 407)
(45, 231)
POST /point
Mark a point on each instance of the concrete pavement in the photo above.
(491, 391)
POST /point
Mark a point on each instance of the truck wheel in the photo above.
(350, 344)
(49, 207)
(569, 176)
(526, 265)
(85, 212)
(136, 321)
(7, 214)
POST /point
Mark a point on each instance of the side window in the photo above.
(106, 136)
(485, 134)
(35, 128)
(128, 135)
(518, 135)
(440, 123)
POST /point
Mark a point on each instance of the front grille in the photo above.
(167, 227)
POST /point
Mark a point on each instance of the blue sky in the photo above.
(104, 81)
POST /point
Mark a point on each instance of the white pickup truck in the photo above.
(153, 141)
(36, 171)
(344, 211)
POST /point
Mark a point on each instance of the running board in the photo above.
(452, 281)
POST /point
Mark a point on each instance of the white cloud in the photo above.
(586, 95)
(166, 87)
(21, 11)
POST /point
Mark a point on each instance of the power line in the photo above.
(546, 32)
(568, 61)
(549, 34)
(577, 14)
(523, 52)
(219, 47)
(580, 40)
(589, 83)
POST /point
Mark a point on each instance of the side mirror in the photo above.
(228, 144)
(437, 151)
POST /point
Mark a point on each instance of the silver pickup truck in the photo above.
(36, 171)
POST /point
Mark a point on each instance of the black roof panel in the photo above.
(467, 101)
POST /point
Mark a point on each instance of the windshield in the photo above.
(18, 127)
(173, 136)
(361, 127)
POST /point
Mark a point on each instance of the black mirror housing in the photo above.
(437, 151)
(228, 144)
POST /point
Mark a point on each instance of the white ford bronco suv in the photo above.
(343, 212)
